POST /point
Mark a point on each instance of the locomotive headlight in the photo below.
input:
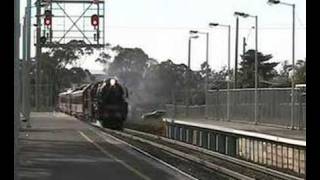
(112, 82)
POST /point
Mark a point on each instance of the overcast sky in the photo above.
(161, 28)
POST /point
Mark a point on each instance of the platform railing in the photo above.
(282, 154)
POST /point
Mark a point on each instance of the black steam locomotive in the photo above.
(105, 101)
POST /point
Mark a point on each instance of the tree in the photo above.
(205, 68)
(55, 60)
(69, 53)
(54, 76)
(266, 71)
(218, 80)
(284, 79)
(300, 72)
(129, 65)
(104, 59)
(166, 77)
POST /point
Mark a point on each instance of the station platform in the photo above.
(279, 148)
(246, 127)
(60, 147)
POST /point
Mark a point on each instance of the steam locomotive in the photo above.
(104, 101)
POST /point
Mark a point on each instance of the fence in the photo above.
(46, 98)
(274, 106)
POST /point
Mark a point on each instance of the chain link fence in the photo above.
(274, 106)
(46, 98)
(187, 104)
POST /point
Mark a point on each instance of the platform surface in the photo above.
(59, 147)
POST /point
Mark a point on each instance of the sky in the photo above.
(161, 29)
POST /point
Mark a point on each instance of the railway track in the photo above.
(201, 163)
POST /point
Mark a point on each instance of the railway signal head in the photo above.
(95, 20)
(48, 20)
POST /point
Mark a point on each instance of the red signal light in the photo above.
(95, 20)
(48, 20)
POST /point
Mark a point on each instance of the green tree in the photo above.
(300, 72)
(69, 53)
(284, 80)
(218, 79)
(266, 71)
(166, 77)
(129, 65)
(54, 76)
(205, 69)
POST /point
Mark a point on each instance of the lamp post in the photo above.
(236, 54)
(229, 75)
(16, 118)
(28, 59)
(189, 71)
(245, 15)
(207, 74)
(271, 2)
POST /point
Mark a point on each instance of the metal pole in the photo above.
(16, 83)
(64, 23)
(207, 78)
(50, 29)
(83, 21)
(236, 54)
(256, 76)
(229, 76)
(38, 52)
(189, 53)
(28, 48)
(189, 76)
(300, 109)
(104, 24)
(98, 31)
(244, 46)
(23, 76)
(293, 65)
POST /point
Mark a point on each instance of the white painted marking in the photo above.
(115, 158)
(147, 154)
(78, 160)
(141, 151)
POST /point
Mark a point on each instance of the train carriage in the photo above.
(79, 102)
(64, 100)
